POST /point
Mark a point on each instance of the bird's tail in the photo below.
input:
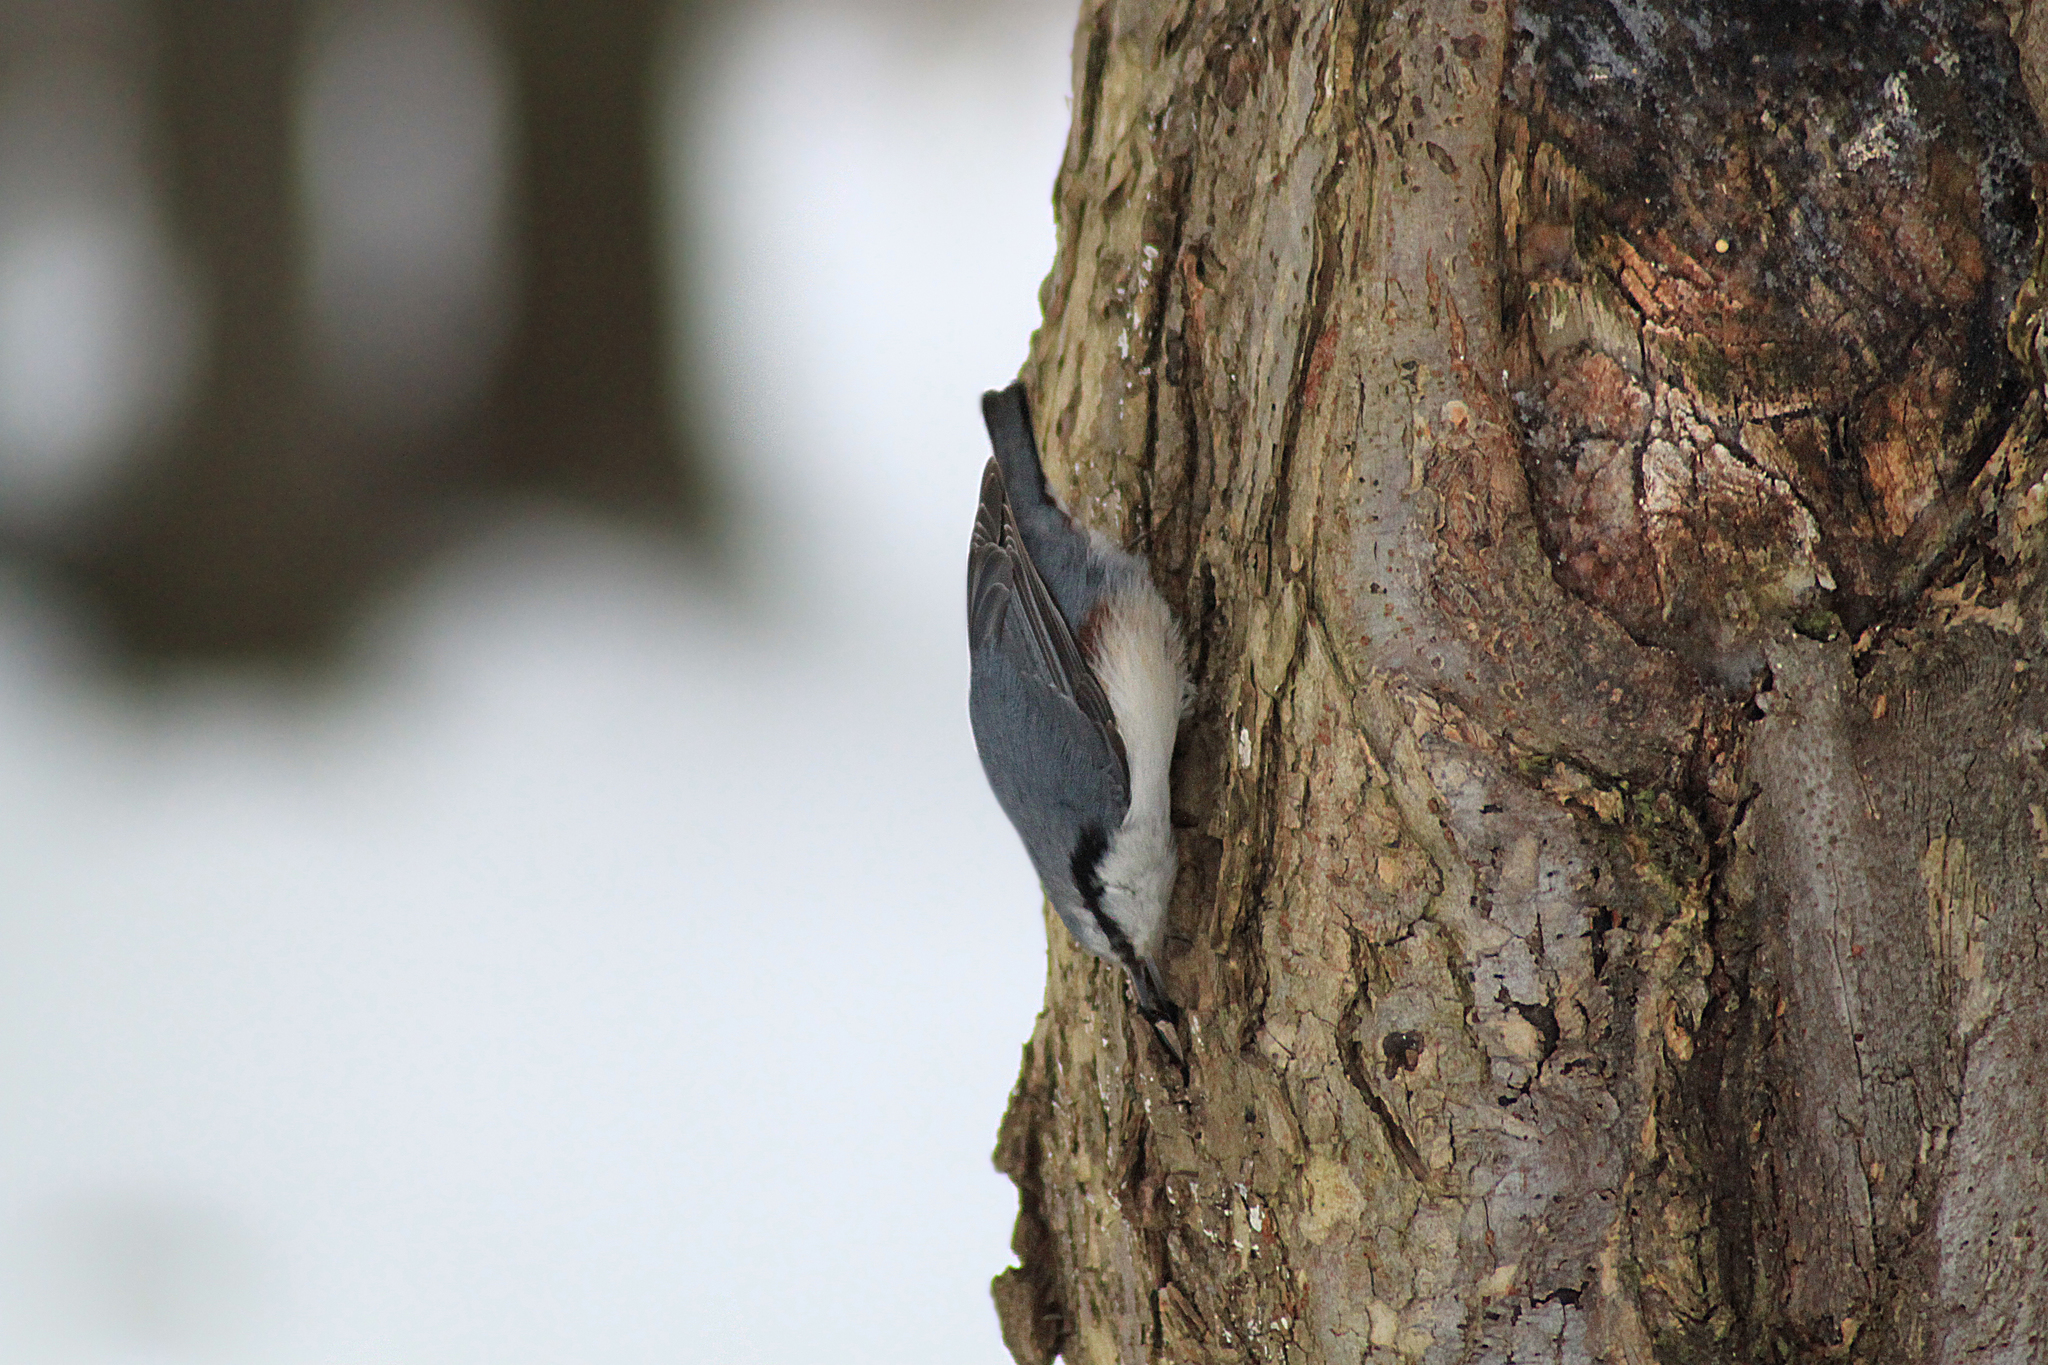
(1007, 414)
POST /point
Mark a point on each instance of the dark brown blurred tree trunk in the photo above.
(1597, 451)
(587, 405)
(234, 538)
(270, 518)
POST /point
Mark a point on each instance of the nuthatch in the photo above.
(1079, 678)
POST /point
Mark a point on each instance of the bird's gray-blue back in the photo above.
(1042, 725)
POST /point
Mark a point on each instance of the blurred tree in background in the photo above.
(422, 251)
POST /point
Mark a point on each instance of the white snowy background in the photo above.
(612, 966)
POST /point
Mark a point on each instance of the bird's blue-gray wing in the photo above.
(1043, 727)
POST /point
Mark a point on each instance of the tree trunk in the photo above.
(1596, 449)
(586, 405)
(272, 516)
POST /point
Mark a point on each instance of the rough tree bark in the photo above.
(1597, 449)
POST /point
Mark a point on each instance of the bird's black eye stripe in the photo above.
(1087, 870)
(1086, 865)
(1119, 942)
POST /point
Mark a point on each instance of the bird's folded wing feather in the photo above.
(1008, 606)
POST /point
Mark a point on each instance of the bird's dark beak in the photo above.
(1160, 1012)
(1153, 1001)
